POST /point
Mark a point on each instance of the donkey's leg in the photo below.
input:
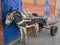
(25, 31)
(21, 31)
(36, 29)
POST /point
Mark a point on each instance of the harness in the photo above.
(17, 17)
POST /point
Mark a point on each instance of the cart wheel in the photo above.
(53, 30)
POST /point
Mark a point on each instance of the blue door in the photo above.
(12, 32)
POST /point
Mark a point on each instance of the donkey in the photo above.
(21, 21)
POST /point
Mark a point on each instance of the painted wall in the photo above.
(29, 5)
(58, 7)
(52, 7)
(39, 7)
(1, 30)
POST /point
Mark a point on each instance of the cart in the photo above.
(49, 23)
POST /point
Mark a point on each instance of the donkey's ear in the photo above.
(10, 10)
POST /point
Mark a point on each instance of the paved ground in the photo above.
(44, 38)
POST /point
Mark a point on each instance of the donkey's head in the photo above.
(9, 17)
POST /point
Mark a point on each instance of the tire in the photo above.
(53, 30)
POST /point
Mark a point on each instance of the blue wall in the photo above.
(46, 7)
(12, 31)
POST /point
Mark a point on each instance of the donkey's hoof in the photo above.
(39, 30)
(21, 40)
(25, 43)
(35, 36)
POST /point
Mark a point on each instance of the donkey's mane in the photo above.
(10, 11)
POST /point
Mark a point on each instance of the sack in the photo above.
(52, 20)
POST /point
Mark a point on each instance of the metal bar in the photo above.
(35, 2)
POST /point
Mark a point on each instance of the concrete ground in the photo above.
(44, 38)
